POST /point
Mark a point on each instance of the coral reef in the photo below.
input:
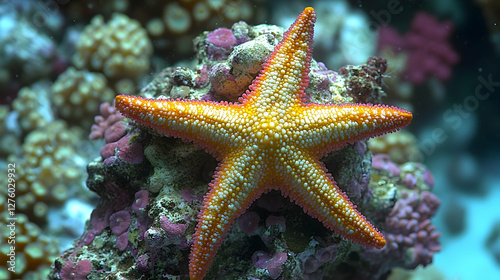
(151, 186)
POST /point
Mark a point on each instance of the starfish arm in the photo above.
(330, 127)
(209, 125)
(235, 186)
(285, 74)
(308, 185)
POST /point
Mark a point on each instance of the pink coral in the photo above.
(221, 42)
(109, 126)
(70, 271)
(383, 162)
(130, 152)
(114, 132)
(108, 150)
(429, 53)
(109, 117)
(222, 37)
(124, 149)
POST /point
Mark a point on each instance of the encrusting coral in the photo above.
(151, 196)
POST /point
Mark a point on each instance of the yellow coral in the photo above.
(176, 18)
(77, 95)
(48, 168)
(33, 106)
(401, 146)
(118, 49)
(34, 251)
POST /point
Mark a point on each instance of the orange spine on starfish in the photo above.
(207, 120)
(363, 120)
(280, 65)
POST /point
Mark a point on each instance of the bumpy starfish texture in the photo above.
(271, 140)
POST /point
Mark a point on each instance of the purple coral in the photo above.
(272, 263)
(140, 200)
(70, 271)
(410, 181)
(108, 120)
(122, 241)
(114, 132)
(222, 37)
(172, 230)
(99, 219)
(144, 263)
(249, 222)
(108, 125)
(221, 42)
(124, 149)
(409, 230)
(383, 162)
(130, 152)
(429, 53)
(119, 222)
(428, 178)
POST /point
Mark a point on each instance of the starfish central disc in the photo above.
(271, 140)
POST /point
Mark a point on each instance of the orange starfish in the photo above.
(272, 140)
